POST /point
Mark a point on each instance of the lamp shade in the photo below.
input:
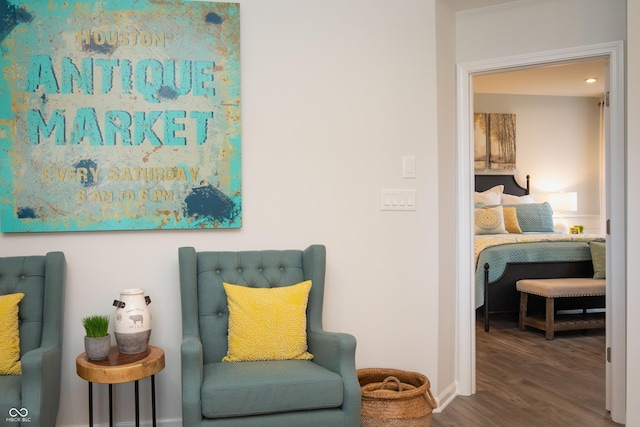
(564, 201)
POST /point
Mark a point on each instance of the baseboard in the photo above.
(446, 396)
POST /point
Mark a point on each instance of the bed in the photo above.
(537, 252)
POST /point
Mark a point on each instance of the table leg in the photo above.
(110, 405)
(137, 405)
(90, 404)
(153, 399)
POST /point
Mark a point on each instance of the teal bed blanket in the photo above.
(498, 256)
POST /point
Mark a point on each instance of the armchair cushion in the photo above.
(9, 334)
(267, 323)
(265, 387)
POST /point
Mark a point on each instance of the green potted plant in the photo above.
(97, 341)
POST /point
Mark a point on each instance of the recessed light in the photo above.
(591, 80)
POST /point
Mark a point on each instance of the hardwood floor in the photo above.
(524, 380)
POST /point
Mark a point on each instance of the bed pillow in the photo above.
(490, 197)
(267, 323)
(508, 199)
(511, 220)
(599, 258)
(489, 220)
(534, 217)
(10, 334)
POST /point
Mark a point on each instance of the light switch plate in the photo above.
(397, 199)
(409, 167)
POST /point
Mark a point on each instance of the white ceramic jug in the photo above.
(132, 321)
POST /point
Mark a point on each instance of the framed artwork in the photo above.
(494, 141)
(119, 115)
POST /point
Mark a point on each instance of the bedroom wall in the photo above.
(334, 94)
(557, 145)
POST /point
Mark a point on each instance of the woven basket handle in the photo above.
(389, 379)
(431, 400)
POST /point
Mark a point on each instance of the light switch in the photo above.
(409, 167)
(411, 200)
(397, 200)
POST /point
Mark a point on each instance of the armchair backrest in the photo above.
(205, 314)
(41, 279)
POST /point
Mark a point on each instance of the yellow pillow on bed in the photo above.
(267, 323)
(511, 221)
(10, 335)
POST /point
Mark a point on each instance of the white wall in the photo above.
(633, 207)
(334, 94)
(558, 146)
(447, 178)
(528, 26)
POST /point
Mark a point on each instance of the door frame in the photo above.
(616, 239)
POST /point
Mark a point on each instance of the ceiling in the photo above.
(554, 80)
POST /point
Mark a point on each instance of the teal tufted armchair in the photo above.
(323, 392)
(36, 393)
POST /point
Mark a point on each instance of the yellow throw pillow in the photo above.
(511, 221)
(267, 323)
(10, 335)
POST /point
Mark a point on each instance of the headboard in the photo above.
(511, 186)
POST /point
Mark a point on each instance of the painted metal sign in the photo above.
(119, 115)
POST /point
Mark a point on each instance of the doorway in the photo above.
(615, 211)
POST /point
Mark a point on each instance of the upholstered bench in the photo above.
(560, 288)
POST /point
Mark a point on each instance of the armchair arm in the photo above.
(333, 350)
(337, 352)
(192, 377)
(41, 384)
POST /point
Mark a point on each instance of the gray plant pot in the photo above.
(97, 348)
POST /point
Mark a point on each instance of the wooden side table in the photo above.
(121, 368)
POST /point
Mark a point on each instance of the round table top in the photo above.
(119, 367)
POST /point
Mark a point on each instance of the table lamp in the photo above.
(563, 202)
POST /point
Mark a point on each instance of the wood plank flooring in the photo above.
(524, 380)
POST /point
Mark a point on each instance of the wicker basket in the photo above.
(395, 398)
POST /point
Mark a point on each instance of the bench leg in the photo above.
(524, 298)
(549, 318)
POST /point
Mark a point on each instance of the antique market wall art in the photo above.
(119, 115)
(495, 141)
